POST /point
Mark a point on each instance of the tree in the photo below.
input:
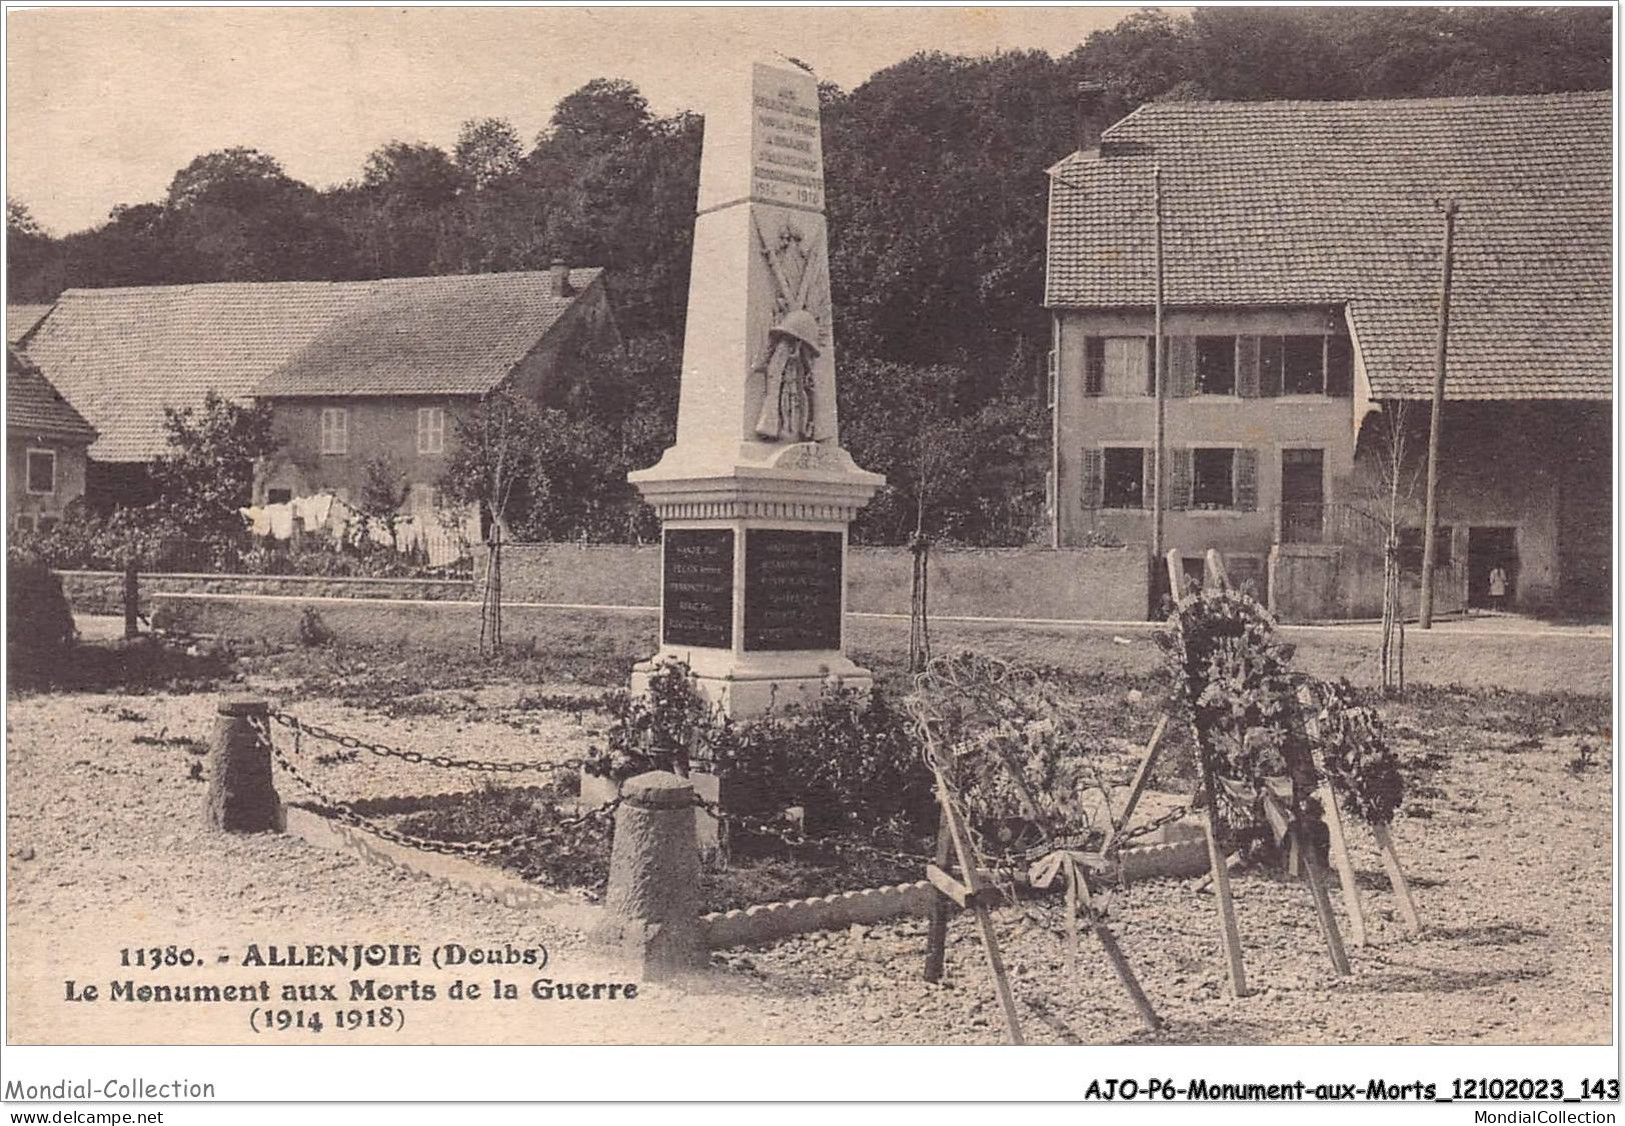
(30, 254)
(487, 151)
(233, 177)
(416, 174)
(492, 456)
(237, 216)
(208, 472)
(384, 490)
(1390, 488)
(611, 109)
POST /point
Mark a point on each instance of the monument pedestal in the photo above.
(753, 577)
(756, 494)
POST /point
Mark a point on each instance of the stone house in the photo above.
(45, 448)
(387, 381)
(1302, 249)
(381, 361)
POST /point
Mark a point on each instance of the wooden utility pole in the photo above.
(1429, 536)
(1157, 350)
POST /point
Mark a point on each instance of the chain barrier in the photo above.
(383, 750)
(343, 811)
(1178, 813)
(793, 837)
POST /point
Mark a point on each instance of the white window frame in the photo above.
(335, 431)
(431, 430)
(28, 472)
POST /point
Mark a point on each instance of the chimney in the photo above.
(1090, 97)
(559, 277)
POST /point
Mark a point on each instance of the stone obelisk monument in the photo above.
(756, 495)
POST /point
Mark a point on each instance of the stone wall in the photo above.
(1093, 584)
(1075, 584)
(1329, 582)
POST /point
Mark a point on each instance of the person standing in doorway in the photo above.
(1498, 588)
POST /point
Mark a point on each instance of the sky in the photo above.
(105, 105)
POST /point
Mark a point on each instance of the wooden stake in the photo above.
(1176, 573)
(1344, 864)
(984, 919)
(1227, 909)
(936, 935)
(1141, 777)
(1396, 878)
(1114, 952)
(1323, 902)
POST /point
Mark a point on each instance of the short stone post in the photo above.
(652, 907)
(242, 796)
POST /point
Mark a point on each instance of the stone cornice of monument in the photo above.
(756, 422)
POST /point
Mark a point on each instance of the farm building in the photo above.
(1302, 259)
(355, 370)
(45, 447)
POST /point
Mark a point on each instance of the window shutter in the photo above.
(1150, 367)
(1148, 474)
(1051, 370)
(1094, 478)
(1247, 367)
(1181, 367)
(1179, 478)
(1094, 365)
(1271, 365)
(1246, 480)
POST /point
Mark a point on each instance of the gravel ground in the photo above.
(1508, 846)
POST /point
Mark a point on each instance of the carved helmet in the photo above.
(801, 325)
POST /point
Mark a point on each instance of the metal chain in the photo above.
(793, 837)
(345, 812)
(1176, 814)
(383, 750)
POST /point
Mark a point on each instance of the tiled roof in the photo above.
(457, 335)
(21, 318)
(36, 409)
(122, 355)
(1283, 203)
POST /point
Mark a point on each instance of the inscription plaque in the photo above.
(792, 590)
(697, 588)
(787, 159)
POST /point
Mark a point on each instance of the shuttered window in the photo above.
(1123, 477)
(431, 430)
(335, 430)
(1125, 365)
(1216, 479)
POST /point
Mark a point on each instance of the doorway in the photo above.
(1303, 495)
(1487, 549)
